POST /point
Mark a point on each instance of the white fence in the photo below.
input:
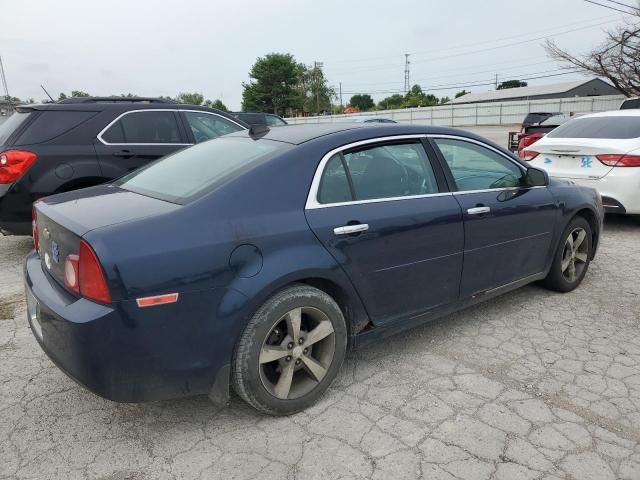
(479, 114)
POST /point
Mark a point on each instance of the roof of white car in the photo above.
(615, 113)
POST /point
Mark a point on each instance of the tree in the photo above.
(362, 102)
(511, 84)
(617, 59)
(190, 98)
(461, 93)
(394, 101)
(216, 104)
(275, 85)
(444, 100)
(314, 90)
(74, 93)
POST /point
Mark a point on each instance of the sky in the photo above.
(153, 48)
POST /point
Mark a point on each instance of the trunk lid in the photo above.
(62, 220)
(576, 157)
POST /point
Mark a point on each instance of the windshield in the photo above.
(599, 127)
(190, 173)
(11, 124)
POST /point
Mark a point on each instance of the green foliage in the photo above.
(362, 102)
(190, 98)
(413, 98)
(511, 84)
(394, 101)
(461, 93)
(74, 93)
(444, 100)
(314, 90)
(216, 104)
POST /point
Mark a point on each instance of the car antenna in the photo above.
(45, 91)
(258, 131)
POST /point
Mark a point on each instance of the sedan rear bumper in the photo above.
(122, 352)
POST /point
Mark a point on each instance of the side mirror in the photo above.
(536, 177)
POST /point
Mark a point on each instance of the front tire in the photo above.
(290, 351)
(572, 258)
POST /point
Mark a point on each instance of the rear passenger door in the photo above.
(383, 212)
(138, 137)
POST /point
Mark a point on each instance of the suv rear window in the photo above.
(11, 124)
(628, 104)
(51, 124)
(190, 173)
(599, 127)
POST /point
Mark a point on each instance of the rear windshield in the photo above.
(10, 124)
(599, 127)
(628, 104)
(532, 118)
(194, 171)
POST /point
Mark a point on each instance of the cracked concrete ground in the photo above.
(532, 385)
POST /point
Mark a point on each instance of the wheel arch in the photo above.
(592, 219)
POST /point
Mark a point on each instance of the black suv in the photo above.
(81, 142)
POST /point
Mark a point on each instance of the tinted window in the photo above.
(206, 126)
(532, 118)
(274, 121)
(599, 127)
(145, 127)
(191, 172)
(477, 168)
(11, 124)
(627, 104)
(390, 171)
(334, 186)
(51, 124)
(252, 118)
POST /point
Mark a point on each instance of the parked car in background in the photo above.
(630, 103)
(163, 284)
(531, 118)
(532, 133)
(600, 150)
(80, 142)
(369, 119)
(257, 118)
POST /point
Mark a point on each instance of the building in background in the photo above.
(579, 88)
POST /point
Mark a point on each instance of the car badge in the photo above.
(55, 252)
(46, 233)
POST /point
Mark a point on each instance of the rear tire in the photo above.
(290, 351)
(572, 257)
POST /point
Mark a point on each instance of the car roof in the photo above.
(122, 106)
(300, 133)
(632, 112)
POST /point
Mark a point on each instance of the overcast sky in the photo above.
(156, 47)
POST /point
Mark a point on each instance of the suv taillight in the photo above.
(84, 275)
(14, 163)
(619, 160)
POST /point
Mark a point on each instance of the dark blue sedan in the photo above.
(255, 259)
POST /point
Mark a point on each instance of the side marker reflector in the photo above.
(157, 300)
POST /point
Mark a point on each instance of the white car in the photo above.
(599, 150)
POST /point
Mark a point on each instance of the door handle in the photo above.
(124, 154)
(478, 210)
(348, 229)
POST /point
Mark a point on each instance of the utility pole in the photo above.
(496, 81)
(317, 66)
(4, 80)
(406, 72)
(340, 97)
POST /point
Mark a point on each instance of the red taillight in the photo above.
(619, 160)
(13, 164)
(71, 273)
(528, 155)
(92, 283)
(34, 228)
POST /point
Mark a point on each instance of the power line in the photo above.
(608, 6)
(622, 4)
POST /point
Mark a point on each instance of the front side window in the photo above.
(378, 172)
(274, 121)
(475, 167)
(145, 127)
(206, 126)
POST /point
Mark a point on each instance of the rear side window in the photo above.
(206, 126)
(51, 124)
(629, 104)
(190, 173)
(11, 124)
(145, 127)
(252, 118)
(334, 186)
(274, 121)
(612, 127)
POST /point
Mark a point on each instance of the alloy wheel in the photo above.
(297, 353)
(575, 255)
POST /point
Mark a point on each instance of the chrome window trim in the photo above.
(99, 136)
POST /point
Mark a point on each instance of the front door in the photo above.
(137, 138)
(508, 226)
(381, 211)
